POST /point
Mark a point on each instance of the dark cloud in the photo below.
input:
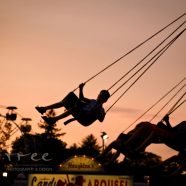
(137, 113)
(126, 110)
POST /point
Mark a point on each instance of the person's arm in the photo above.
(81, 95)
(101, 117)
(166, 119)
(100, 112)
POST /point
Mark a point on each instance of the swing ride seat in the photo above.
(86, 120)
(70, 100)
(82, 119)
(11, 116)
(73, 103)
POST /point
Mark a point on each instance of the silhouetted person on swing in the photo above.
(84, 110)
(146, 133)
(174, 137)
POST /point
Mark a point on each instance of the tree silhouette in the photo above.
(90, 146)
(50, 130)
(40, 145)
(5, 132)
(140, 163)
(73, 150)
(47, 142)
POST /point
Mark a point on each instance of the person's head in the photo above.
(103, 96)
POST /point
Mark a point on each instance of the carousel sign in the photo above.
(79, 180)
(81, 163)
(79, 171)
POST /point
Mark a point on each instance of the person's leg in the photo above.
(137, 133)
(139, 138)
(69, 121)
(145, 142)
(151, 134)
(63, 115)
(52, 120)
(108, 148)
(55, 105)
(68, 102)
(115, 156)
(43, 109)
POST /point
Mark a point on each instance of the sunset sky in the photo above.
(47, 48)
